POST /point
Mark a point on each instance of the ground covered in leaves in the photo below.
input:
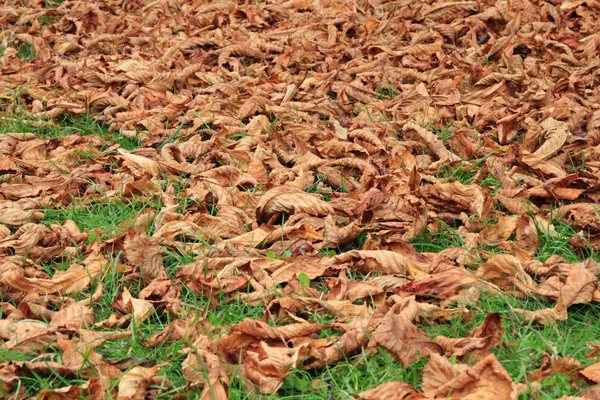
(299, 199)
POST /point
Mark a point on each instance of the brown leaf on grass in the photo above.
(134, 383)
(485, 380)
(507, 272)
(344, 288)
(26, 336)
(403, 340)
(591, 372)
(225, 285)
(501, 231)
(457, 197)
(579, 288)
(75, 279)
(73, 317)
(446, 284)
(321, 352)
(393, 390)
(301, 265)
(15, 216)
(144, 252)
(78, 354)
(203, 368)
(386, 261)
(289, 200)
(140, 309)
(555, 135)
(432, 141)
(268, 366)
(262, 330)
(563, 365)
(144, 163)
(92, 389)
(484, 337)
(582, 215)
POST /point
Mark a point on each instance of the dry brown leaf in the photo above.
(507, 272)
(204, 369)
(386, 261)
(591, 372)
(144, 252)
(393, 390)
(579, 288)
(133, 384)
(403, 340)
(140, 309)
(289, 200)
(73, 317)
(485, 380)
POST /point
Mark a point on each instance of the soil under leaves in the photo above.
(298, 160)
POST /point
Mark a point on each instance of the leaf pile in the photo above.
(294, 151)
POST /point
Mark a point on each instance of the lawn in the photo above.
(304, 199)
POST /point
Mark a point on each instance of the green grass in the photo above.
(386, 92)
(460, 174)
(26, 52)
(102, 220)
(445, 133)
(70, 125)
(319, 184)
(434, 242)
(559, 244)
(492, 182)
(51, 4)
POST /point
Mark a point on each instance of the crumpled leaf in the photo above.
(204, 369)
(507, 272)
(133, 384)
(289, 200)
(393, 390)
(579, 288)
(486, 379)
(403, 340)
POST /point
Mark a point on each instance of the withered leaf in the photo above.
(486, 379)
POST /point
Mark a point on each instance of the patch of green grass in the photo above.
(70, 125)
(444, 133)
(45, 20)
(107, 217)
(221, 310)
(386, 92)
(491, 181)
(35, 383)
(320, 181)
(51, 4)
(11, 355)
(175, 258)
(559, 244)
(358, 243)
(111, 286)
(434, 242)
(460, 174)
(26, 52)
(133, 349)
(50, 267)
(523, 346)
